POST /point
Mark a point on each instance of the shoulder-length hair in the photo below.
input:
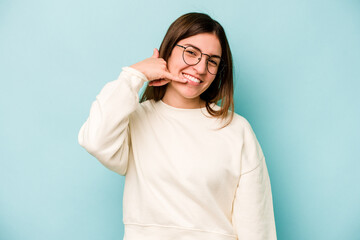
(221, 89)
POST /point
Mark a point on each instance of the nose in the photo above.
(201, 66)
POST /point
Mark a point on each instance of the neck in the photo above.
(173, 99)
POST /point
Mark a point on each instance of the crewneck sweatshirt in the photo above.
(185, 177)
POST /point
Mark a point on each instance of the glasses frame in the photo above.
(221, 64)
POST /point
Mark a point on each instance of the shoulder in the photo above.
(251, 152)
(143, 109)
(244, 126)
(240, 120)
(239, 123)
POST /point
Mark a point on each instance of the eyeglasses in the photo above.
(192, 56)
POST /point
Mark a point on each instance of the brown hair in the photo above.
(221, 89)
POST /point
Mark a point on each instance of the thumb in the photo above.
(156, 53)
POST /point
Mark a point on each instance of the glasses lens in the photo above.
(213, 64)
(192, 56)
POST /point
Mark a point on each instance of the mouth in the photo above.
(191, 78)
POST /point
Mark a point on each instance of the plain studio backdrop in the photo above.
(297, 80)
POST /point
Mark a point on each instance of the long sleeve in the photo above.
(253, 214)
(105, 134)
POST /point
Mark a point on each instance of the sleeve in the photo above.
(105, 134)
(253, 214)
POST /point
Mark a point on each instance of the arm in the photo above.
(105, 134)
(253, 216)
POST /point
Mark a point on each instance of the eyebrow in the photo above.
(202, 51)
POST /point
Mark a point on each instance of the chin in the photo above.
(186, 91)
(190, 94)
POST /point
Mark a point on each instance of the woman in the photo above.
(194, 170)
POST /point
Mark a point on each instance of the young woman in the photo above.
(193, 169)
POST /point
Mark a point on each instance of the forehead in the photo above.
(207, 42)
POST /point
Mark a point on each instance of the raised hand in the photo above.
(155, 70)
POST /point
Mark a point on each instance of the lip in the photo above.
(192, 82)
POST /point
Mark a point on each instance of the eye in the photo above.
(213, 62)
(191, 52)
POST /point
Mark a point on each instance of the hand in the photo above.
(155, 70)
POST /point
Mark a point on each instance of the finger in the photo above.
(155, 53)
(173, 77)
(159, 82)
(151, 83)
(154, 82)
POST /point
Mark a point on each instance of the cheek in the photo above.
(175, 65)
(210, 79)
(170, 65)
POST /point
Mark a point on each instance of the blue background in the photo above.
(297, 82)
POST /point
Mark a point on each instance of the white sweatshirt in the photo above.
(184, 180)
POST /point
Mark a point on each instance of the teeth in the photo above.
(191, 78)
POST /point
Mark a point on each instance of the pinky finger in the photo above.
(157, 83)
